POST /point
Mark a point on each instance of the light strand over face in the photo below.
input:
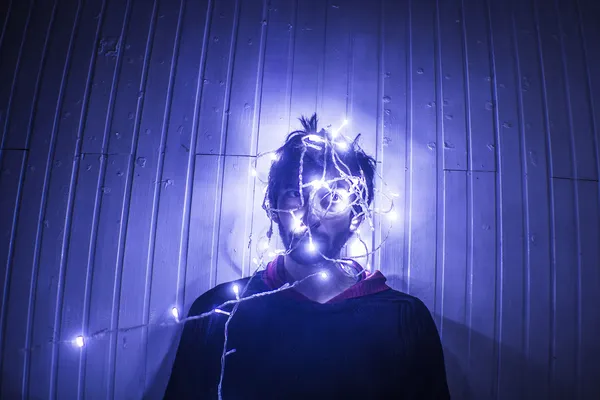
(357, 187)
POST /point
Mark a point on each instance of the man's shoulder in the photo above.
(404, 300)
(222, 293)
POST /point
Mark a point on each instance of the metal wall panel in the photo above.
(129, 129)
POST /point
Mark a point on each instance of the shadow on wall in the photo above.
(163, 341)
(159, 372)
(474, 382)
(477, 378)
(158, 379)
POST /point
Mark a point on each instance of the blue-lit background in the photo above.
(128, 134)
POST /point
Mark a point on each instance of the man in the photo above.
(330, 329)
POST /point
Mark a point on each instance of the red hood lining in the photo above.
(368, 283)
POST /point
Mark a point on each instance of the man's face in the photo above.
(326, 211)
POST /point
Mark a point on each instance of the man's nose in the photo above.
(310, 219)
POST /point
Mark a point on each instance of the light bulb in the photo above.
(298, 226)
(324, 275)
(311, 245)
(318, 183)
(315, 138)
(357, 248)
(79, 341)
(236, 290)
(342, 145)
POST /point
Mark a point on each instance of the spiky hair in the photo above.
(294, 148)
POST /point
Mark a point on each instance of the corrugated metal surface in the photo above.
(128, 132)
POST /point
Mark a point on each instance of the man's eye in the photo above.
(293, 193)
(335, 196)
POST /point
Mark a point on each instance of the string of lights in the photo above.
(355, 188)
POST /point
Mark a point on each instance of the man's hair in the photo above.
(352, 161)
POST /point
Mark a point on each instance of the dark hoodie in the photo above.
(369, 342)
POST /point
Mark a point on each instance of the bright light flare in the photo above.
(324, 275)
(341, 144)
(79, 341)
(236, 290)
(318, 183)
(311, 246)
(175, 313)
(297, 225)
(344, 123)
(357, 248)
(315, 138)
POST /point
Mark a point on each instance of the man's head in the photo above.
(319, 189)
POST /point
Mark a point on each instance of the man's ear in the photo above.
(356, 221)
(275, 217)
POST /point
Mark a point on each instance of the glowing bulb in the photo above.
(324, 275)
(236, 290)
(315, 139)
(175, 312)
(298, 226)
(78, 341)
(393, 215)
(318, 184)
(311, 245)
(253, 172)
(342, 145)
(357, 248)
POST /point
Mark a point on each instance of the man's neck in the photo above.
(316, 288)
